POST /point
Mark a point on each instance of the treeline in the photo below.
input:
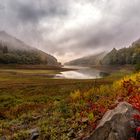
(123, 56)
(8, 56)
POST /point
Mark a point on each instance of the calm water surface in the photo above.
(79, 73)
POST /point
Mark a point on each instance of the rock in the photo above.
(84, 120)
(34, 136)
(116, 124)
(71, 134)
(34, 133)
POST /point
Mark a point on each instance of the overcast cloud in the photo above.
(69, 29)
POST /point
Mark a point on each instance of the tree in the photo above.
(5, 49)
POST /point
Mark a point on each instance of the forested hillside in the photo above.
(14, 51)
(88, 60)
(130, 55)
(123, 56)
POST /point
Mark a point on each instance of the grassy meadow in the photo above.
(56, 107)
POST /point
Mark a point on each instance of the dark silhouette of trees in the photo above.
(18, 56)
(123, 56)
(5, 49)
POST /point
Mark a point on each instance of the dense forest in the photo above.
(130, 55)
(8, 56)
(15, 51)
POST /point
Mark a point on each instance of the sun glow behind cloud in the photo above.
(81, 15)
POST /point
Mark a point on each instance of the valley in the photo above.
(40, 95)
(69, 70)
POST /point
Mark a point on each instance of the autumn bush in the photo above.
(92, 104)
(71, 112)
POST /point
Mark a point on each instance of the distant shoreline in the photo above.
(34, 67)
(109, 68)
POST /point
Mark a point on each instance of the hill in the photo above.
(88, 60)
(130, 55)
(15, 51)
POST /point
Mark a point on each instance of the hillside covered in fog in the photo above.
(88, 60)
(128, 55)
(14, 51)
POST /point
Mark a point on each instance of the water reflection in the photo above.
(80, 73)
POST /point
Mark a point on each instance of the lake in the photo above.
(79, 73)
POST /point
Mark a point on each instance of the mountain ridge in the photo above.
(16, 47)
(128, 55)
(87, 60)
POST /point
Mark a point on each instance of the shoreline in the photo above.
(34, 67)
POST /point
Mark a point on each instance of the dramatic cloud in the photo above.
(72, 28)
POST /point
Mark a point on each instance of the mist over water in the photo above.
(79, 73)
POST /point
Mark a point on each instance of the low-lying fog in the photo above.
(80, 73)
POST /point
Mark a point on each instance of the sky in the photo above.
(70, 29)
